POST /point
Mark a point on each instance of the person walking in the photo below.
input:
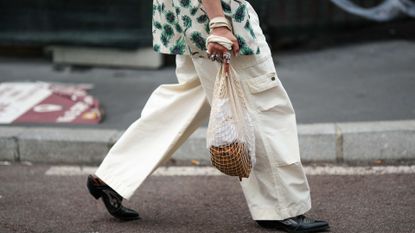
(277, 191)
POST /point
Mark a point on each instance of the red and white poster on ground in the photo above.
(42, 102)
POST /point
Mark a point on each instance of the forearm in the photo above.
(213, 8)
(220, 27)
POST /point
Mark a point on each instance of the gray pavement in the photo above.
(31, 201)
(366, 82)
(361, 82)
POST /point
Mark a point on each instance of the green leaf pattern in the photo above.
(198, 40)
(243, 47)
(240, 13)
(187, 21)
(185, 3)
(178, 28)
(179, 47)
(202, 19)
(226, 7)
(182, 26)
(193, 11)
(258, 51)
(170, 17)
(156, 47)
(157, 25)
(207, 28)
(249, 28)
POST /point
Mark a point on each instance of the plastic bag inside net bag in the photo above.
(230, 134)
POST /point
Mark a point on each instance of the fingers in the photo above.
(235, 48)
(220, 51)
(215, 48)
(226, 67)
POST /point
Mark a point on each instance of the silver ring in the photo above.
(212, 57)
(219, 58)
(227, 56)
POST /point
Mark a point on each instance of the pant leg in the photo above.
(172, 113)
(278, 175)
(277, 187)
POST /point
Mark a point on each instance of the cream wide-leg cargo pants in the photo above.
(277, 187)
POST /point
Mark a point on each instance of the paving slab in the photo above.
(8, 143)
(51, 145)
(388, 140)
(318, 142)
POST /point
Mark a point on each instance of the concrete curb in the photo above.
(327, 142)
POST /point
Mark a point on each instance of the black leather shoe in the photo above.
(296, 224)
(111, 199)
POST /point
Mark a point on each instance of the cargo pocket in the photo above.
(265, 93)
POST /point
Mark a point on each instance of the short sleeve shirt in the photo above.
(182, 26)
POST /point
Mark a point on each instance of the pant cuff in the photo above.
(123, 191)
(281, 214)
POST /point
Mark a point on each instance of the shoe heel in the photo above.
(96, 193)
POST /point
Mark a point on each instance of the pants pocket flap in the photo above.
(262, 83)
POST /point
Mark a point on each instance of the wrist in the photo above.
(212, 16)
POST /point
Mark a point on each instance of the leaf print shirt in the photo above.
(182, 26)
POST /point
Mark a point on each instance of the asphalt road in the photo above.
(360, 82)
(31, 201)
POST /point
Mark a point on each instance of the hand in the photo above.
(215, 48)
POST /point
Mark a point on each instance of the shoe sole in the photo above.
(319, 229)
(127, 219)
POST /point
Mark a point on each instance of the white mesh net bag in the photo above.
(230, 134)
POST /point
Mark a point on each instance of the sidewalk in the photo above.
(353, 104)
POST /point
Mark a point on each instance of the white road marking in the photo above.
(5, 163)
(211, 171)
(70, 170)
(359, 170)
(162, 171)
(27, 163)
(187, 171)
